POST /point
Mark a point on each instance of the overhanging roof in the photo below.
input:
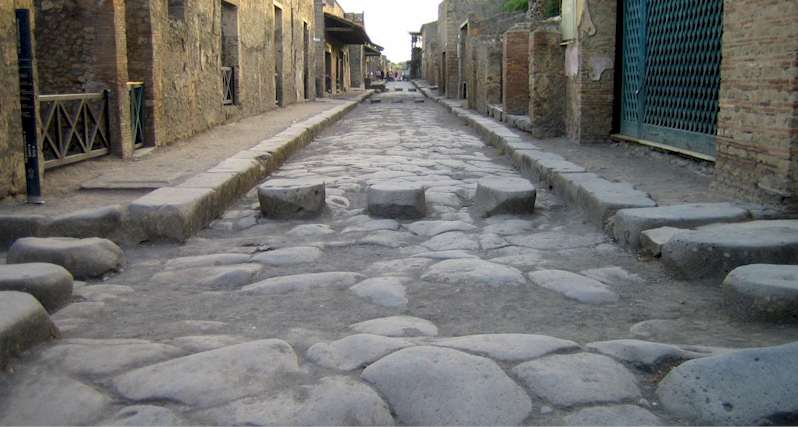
(372, 50)
(344, 31)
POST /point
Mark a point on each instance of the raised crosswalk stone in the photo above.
(292, 198)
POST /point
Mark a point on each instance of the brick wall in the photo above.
(547, 82)
(515, 71)
(757, 156)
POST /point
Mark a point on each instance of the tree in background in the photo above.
(550, 7)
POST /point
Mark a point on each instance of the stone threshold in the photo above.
(177, 213)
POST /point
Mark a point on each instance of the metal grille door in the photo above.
(671, 72)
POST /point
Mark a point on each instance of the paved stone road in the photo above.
(348, 319)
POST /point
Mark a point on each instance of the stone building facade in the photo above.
(430, 52)
(340, 38)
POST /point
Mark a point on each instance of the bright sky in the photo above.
(389, 21)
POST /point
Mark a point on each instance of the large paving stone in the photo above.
(574, 286)
(145, 416)
(304, 282)
(397, 326)
(23, 324)
(617, 415)
(174, 213)
(384, 291)
(434, 228)
(644, 354)
(214, 260)
(473, 272)
(200, 343)
(763, 292)
(748, 387)
(292, 198)
(52, 400)
(51, 284)
(578, 379)
(712, 252)
(629, 223)
(497, 196)
(598, 197)
(226, 374)
(100, 222)
(84, 258)
(355, 351)
(289, 256)
(439, 386)
(652, 241)
(105, 357)
(509, 347)
(225, 277)
(452, 241)
(397, 200)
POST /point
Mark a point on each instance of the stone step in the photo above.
(84, 258)
(599, 198)
(712, 251)
(496, 196)
(292, 198)
(23, 324)
(50, 284)
(630, 223)
(763, 292)
(397, 200)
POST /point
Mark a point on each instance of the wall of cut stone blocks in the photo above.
(547, 82)
(357, 68)
(515, 71)
(430, 57)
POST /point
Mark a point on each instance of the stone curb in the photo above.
(176, 213)
(599, 198)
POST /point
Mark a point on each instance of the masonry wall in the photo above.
(547, 82)
(430, 56)
(357, 66)
(757, 156)
(487, 82)
(515, 71)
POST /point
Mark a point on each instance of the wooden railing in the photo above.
(73, 127)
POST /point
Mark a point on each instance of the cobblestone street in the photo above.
(350, 319)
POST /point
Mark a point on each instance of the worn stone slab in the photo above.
(439, 386)
(434, 228)
(397, 326)
(473, 272)
(543, 165)
(227, 374)
(652, 241)
(214, 260)
(289, 256)
(227, 277)
(23, 324)
(52, 400)
(83, 258)
(145, 416)
(763, 292)
(174, 213)
(227, 186)
(50, 284)
(292, 198)
(102, 293)
(509, 347)
(100, 222)
(304, 282)
(578, 379)
(445, 255)
(200, 343)
(617, 415)
(645, 355)
(574, 286)
(94, 358)
(630, 223)
(712, 252)
(355, 351)
(397, 200)
(747, 387)
(496, 196)
(384, 291)
(452, 241)
(373, 225)
(598, 197)
(13, 227)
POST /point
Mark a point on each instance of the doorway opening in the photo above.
(278, 56)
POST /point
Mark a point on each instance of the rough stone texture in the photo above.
(578, 379)
(619, 415)
(215, 278)
(200, 343)
(288, 256)
(304, 282)
(355, 351)
(173, 213)
(452, 241)
(497, 196)
(763, 291)
(145, 415)
(547, 81)
(84, 258)
(292, 199)
(23, 323)
(434, 228)
(574, 286)
(474, 273)
(644, 354)
(598, 197)
(384, 291)
(515, 71)
(228, 373)
(437, 386)
(397, 326)
(49, 283)
(214, 260)
(12, 162)
(652, 241)
(106, 357)
(397, 200)
(49, 400)
(509, 347)
(748, 387)
(629, 223)
(714, 251)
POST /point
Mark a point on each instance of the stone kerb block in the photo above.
(292, 198)
(50, 284)
(397, 200)
(173, 213)
(23, 323)
(763, 292)
(497, 196)
(84, 258)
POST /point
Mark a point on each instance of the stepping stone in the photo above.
(397, 326)
(509, 347)
(94, 358)
(397, 200)
(578, 379)
(712, 252)
(214, 260)
(763, 292)
(652, 241)
(497, 196)
(292, 198)
(384, 291)
(51, 284)
(599, 198)
(440, 386)
(354, 352)
(618, 415)
(304, 282)
(145, 415)
(747, 387)
(226, 277)
(84, 258)
(289, 256)
(574, 286)
(473, 272)
(23, 324)
(227, 374)
(630, 223)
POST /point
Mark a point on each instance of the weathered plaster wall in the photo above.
(547, 82)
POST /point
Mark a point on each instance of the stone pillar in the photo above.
(515, 71)
(546, 82)
(357, 67)
(757, 144)
(589, 67)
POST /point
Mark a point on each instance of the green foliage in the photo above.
(551, 8)
(516, 5)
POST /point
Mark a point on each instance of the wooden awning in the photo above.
(344, 31)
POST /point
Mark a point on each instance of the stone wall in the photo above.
(515, 71)
(757, 156)
(357, 66)
(487, 82)
(430, 56)
(547, 82)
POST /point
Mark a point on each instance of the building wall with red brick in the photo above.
(515, 71)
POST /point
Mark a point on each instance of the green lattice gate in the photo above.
(671, 72)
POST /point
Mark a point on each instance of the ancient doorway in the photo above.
(306, 59)
(278, 56)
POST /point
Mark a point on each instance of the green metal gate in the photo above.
(671, 73)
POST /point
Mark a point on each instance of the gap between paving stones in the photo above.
(176, 213)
